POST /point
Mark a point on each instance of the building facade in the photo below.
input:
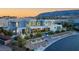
(19, 25)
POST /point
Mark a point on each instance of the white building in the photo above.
(21, 24)
(51, 23)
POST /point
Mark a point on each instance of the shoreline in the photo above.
(55, 39)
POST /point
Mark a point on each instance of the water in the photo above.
(70, 43)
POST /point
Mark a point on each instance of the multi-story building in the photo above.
(17, 25)
(21, 24)
(13, 24)
(52, 24)
(35, 25)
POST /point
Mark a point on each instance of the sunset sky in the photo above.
(25, 12)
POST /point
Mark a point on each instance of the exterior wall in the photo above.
(56, 27)
(51, 24)
(12, 26)
(22, 23)
(32, 22)
(17, 26)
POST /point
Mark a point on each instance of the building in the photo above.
(16, 25)
(52, 24)
(34, 25)
(39, 28)
(20, 25)
(33, 22)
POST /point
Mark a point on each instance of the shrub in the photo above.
(39, 34)
(21, 42)
(27, 37)
(57, 32)
(50, 32)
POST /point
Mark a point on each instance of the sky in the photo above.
(26, 12)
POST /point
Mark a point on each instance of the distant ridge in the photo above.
(60, 14)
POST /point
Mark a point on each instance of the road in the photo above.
(70, 43)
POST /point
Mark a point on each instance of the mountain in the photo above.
(60, 14)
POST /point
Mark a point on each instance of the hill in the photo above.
(60, 14)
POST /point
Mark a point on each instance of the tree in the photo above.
(50, 32)
(26, 37)
(6, 32)
(68, 25)
(39, 34)
(21, 42)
